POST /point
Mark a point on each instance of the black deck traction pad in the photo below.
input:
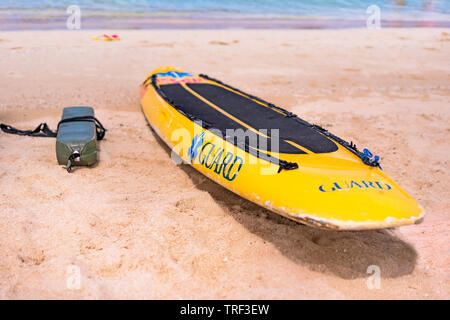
(192, 105)
(261, 154)
(248, 111)
(259, 116)
(350, 146)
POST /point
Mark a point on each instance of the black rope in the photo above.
(284, 165)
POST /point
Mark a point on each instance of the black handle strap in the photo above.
(99, 128)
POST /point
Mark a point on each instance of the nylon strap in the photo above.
(43, 130)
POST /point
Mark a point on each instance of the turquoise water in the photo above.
(12, 11)
(325, 8)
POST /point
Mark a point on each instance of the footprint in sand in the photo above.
(322, 240)
(31, 256)
(223, 43)
(169, 45)
(184, 205)
(352, 70)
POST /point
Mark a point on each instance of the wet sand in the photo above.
(136, 225)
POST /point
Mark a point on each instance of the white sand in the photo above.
(138, 226)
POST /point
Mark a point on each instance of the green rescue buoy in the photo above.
(76, 141)
(76, 136)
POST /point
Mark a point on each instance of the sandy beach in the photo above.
(136, 225)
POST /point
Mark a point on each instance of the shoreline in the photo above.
(161, 23)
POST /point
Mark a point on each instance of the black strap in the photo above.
(71, 159)
(98, 126)
(43, 130)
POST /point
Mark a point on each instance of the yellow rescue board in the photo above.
(308, 184)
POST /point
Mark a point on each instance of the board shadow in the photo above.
(347, 254)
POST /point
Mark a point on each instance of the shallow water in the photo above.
(25, 14)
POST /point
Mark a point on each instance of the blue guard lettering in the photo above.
(359, 184)
(215, 159)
